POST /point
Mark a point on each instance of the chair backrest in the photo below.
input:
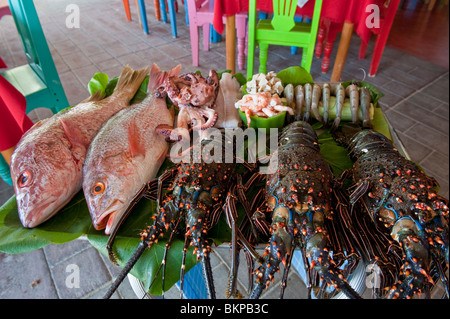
(283, 14)
(196, 5)
(33, 39)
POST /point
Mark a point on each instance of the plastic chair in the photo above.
(201, 14)
(140, 5)
(38, 80)
(386, 24)
(172, 10)
(281, 30)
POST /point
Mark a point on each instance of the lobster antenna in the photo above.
(134, 258)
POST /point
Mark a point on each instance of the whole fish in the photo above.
(46, 167)
(126, 153)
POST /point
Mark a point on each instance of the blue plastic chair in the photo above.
(173, 18)
(38, 80)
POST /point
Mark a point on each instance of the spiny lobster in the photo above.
(199, 190)
(299, 195)
(396, 193)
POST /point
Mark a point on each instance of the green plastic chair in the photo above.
(281, 30)
(38, 80)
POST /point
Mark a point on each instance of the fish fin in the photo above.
(97, 96)
(158, 77)
(73, 133)
(129, 82)
(136, 148)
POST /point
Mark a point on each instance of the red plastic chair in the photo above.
(201, 14)
(4, 8)
(386, 24)
(328, 31)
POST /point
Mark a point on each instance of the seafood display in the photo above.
(195, 96)
(383, 212)
(125, 154)
(399, 196)
(299, 197)
(51, 154)
(193, 204)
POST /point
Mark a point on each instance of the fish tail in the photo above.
(158, 77)
(129, 82)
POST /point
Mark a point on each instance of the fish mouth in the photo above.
(108, 219)
(32, 216)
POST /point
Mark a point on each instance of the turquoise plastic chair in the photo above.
(38, 80)
(281, 30)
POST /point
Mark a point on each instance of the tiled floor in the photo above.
(416, 103)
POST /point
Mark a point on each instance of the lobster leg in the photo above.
(164, 259)
(183, 265)
(286, 271)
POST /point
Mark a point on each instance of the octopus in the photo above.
(195, 97)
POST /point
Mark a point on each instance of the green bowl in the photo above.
(276, 121)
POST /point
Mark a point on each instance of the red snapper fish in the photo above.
(46, 166)
(127, 152)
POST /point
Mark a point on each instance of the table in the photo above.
(352, 12)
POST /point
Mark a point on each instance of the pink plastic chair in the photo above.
(201, 14)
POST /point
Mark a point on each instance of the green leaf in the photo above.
(240, 78)
(98, 83)
(111, 86)
(68, 224)
(295, 75)
(380, 124)
(335, 154)
(146, 268)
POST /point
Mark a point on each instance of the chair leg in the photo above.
(126, 5)
(143, 15)
(383, 36)
(362, 50)
(173, 18)
(193, 30)
(307, 58)
(263, 52)
(206, 28)
(157, 10)
(186, 12)
(326, 56)
(162, 5)
(320, 38)
(241, 30)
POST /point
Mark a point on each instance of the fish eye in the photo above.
(24, 179)
(98, 188)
